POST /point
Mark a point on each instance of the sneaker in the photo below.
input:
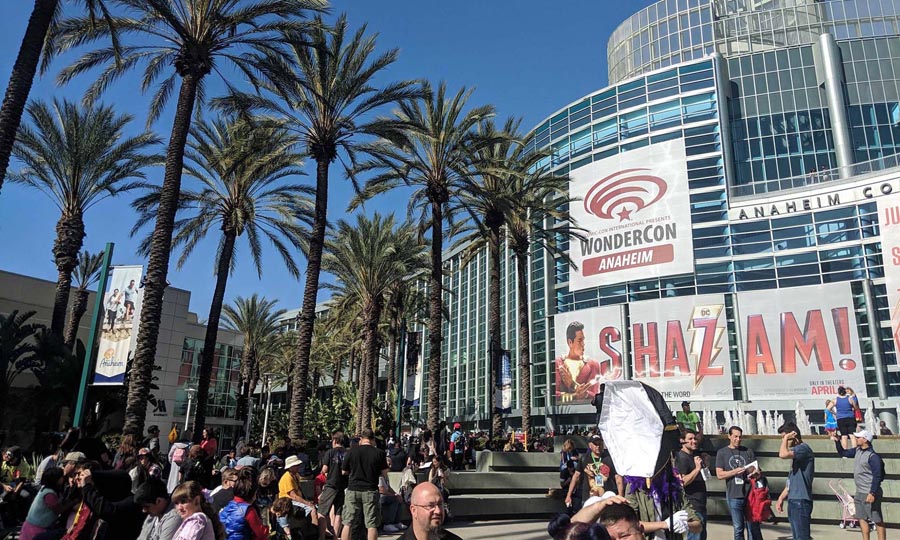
(402, 527)
(390, 528)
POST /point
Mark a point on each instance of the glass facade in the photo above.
(749, 87)
(223, 386)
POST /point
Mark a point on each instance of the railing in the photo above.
(816, 178)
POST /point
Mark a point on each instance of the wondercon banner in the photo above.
(889, 222)
(589, 352)
(800, 342)
(503, 390)
(118, 331)
(636, 211)
(680, 347)
(413, 389)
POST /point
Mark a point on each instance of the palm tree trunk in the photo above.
(22, 77)
(69, 239)
(212, 331)
(336, 378)
(524, 341)
(245, 375)
(435, 315)
(308, 308)
(158, 268)
(496, 348)
(350, 367)
(370, 371)
(79, 307)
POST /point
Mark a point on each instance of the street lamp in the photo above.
(267, 382)
(187, 414)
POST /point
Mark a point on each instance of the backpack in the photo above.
(759, 505)
(407, 483)
(457, 443)
(180, 454)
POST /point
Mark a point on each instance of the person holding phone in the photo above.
(798, 490)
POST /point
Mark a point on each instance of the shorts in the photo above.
(868, 511)
(307, 510)
(331, 498)
(364, 504)
(128, 303)
(847, 426)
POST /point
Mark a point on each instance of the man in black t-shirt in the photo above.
(690, 465)
(597, 467)
(332, 496)
(363, 466)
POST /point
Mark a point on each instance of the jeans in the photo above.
(799, 514)
(698, 535)
(739, 522)
(390, 509)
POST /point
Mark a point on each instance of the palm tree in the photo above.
(405, 304)
(434, 156)
(24, 70)
(17, 346)
(538, 219)
(86, 273)
(366, 258)
(329, 98)
(78, 156)
(241, 165)
(191, 36)
(257, 320)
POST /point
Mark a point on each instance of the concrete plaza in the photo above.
(537, 530)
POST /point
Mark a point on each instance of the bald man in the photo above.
(427, 508)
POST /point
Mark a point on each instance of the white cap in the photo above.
(863, 434)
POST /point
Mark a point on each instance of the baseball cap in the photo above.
(596, 439)
(683, 403)
(144, 452)
(456, 425)
(77, 457)
(863, 434)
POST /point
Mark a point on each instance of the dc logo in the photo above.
(624, 193)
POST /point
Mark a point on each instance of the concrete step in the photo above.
(502, 506)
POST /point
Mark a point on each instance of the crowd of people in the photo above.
(86, 491)
(616, 508)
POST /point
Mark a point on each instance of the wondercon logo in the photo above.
(624, 193)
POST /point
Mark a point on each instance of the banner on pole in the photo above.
(589, 349)
(118, 329)
(800, 342)
(413, 387)
(503, 390)
(680, 347)
(636, 210)
(889, 223)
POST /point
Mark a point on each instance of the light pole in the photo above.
(267, 378)
(187, 414)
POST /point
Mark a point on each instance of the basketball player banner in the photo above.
(118, 329)
(636, 210)
(413, 385)
(680, 347)
(800, 342)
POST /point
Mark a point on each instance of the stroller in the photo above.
(848, 506)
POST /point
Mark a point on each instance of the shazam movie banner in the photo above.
(795, 343)
(503, 383)
(800, 342)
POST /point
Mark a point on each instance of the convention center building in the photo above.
(738, 184)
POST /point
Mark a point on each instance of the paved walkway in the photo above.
(537, 530)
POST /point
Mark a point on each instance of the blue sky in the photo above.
(528, 58)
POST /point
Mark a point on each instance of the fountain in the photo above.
(871, 421)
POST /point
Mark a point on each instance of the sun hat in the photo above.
(292, 461)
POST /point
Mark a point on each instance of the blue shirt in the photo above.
(843, 407)
(803, 468)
